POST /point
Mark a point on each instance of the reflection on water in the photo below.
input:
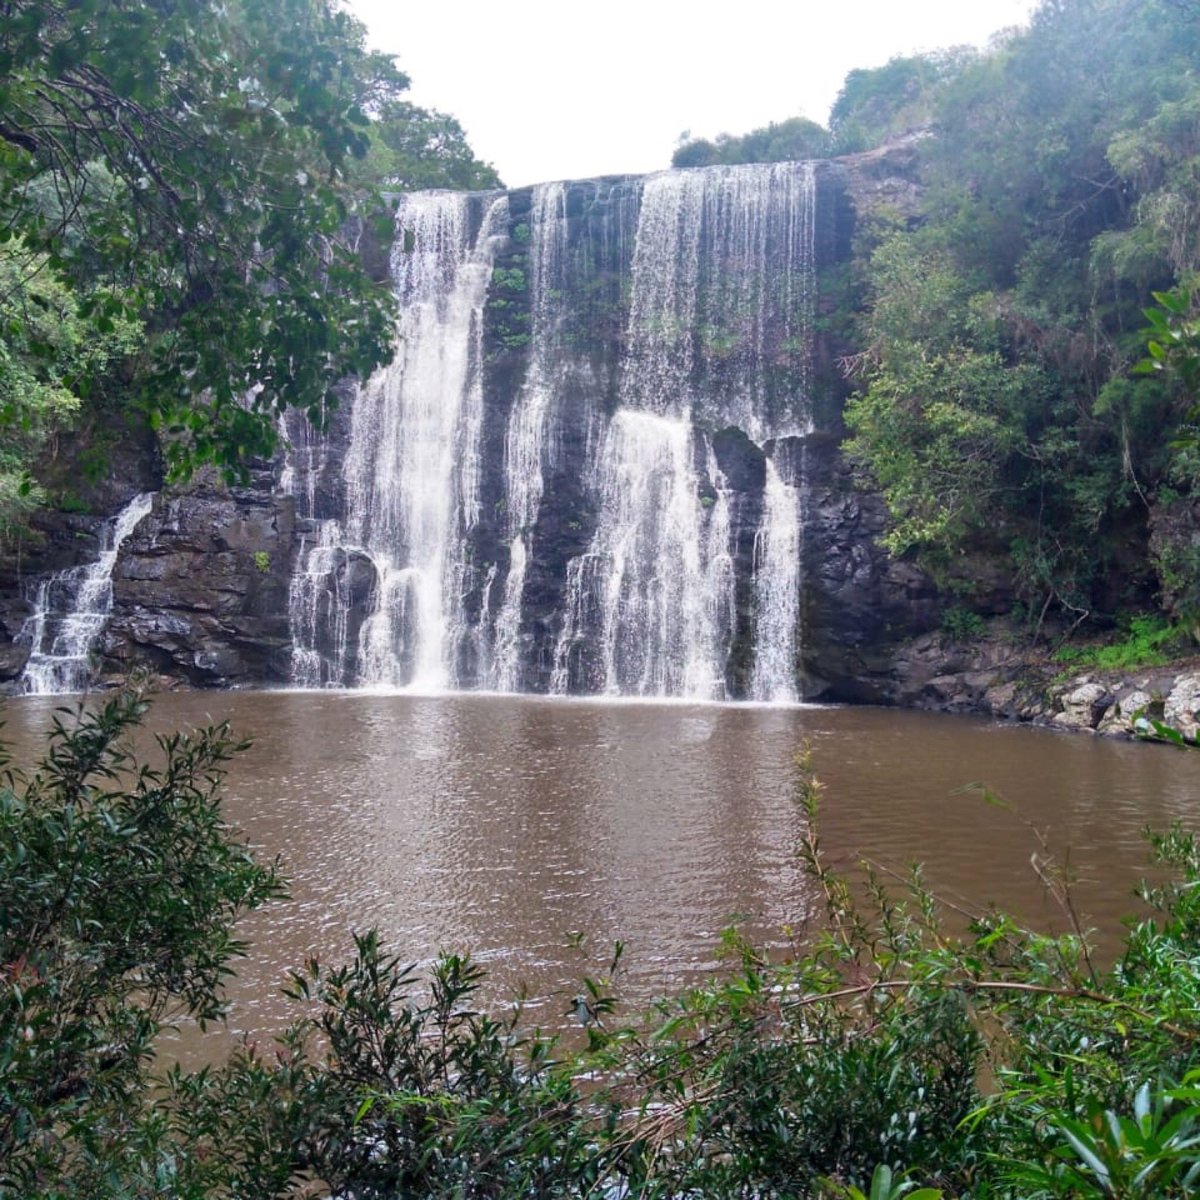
(501, 824)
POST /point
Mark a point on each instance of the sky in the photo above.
(575, 88)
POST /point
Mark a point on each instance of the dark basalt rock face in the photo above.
(858, 602)
(200, 590)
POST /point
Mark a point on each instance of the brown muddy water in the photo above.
(502, 824)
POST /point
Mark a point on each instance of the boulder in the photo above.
(1182, 705)
(1084, 706)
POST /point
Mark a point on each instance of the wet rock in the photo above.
(1128, 704)
(200, 590)
(13, 658)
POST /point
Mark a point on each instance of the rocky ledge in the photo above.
(999, 674)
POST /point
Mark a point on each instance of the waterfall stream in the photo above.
(531, 421)
(70, 609)
(411, 472)
(776, 591)
(533, 494)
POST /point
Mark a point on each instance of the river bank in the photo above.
(999, 673)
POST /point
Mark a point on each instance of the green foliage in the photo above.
(262, 561)
(1173, 348)
(412, 148)
(784, 141)
(962, 624)
(885, 1186)
(119, 889)
(51, 359)
(996, 409)
(1150, 642)
(189, 166)
(510, 279)
(1152, 1151)
(880, 103)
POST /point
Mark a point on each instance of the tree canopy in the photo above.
(782, 141)
(878, 103)
(186, 165)
(995, 403)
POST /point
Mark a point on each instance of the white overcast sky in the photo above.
(569, 89)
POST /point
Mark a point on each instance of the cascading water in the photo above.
(411, 471)
(70, 611)
(776, 592)
(724, 287)
(536, 493)
(530, 423)
(723, 259)
(657, 570)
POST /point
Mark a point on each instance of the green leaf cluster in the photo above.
(194, 167)
(120, 885)
(53, 360)
(795, 139)
(1149, 642)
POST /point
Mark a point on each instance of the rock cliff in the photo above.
(201, 589)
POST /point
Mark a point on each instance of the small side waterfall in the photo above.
(776, 592)
(70, 611)
(540, 491)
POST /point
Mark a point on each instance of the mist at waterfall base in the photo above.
(435, 530)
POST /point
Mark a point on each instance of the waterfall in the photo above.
(658, 569)
(776, 592)
(530, 423)
(722, 264)
(538, 491)
(724, 287)
(70, 609)
(411, 471)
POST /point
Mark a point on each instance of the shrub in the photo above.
(119, 888)
(962, 624)
(1148, 643)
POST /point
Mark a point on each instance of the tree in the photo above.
(878, 103)
(120, 886)
(1060, 190)
(181, 163)
(785, 141)
(414, 148)
(49, 356)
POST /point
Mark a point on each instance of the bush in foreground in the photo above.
(890, 1053)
